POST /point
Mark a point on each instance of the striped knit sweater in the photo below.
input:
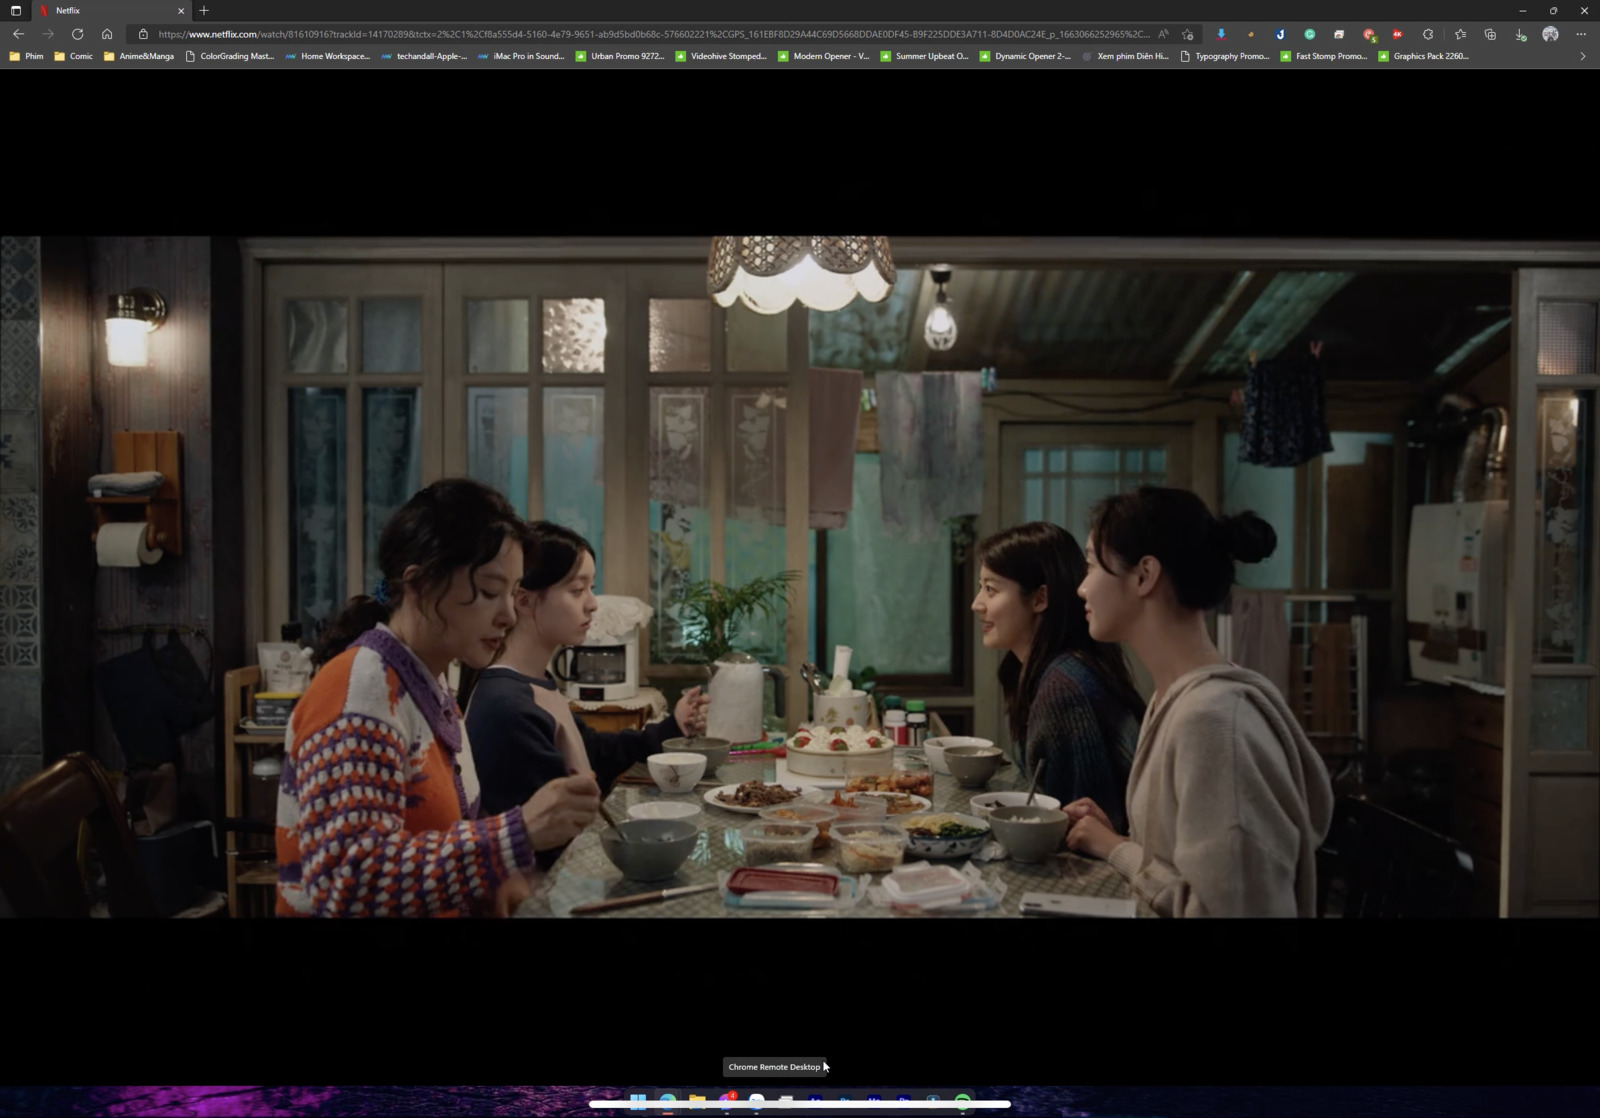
(1086, 735)
(378, 803)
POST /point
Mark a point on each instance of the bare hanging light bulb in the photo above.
(940, 330)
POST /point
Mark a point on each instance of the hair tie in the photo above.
(380, 591)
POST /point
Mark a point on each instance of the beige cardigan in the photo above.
(1227, 802)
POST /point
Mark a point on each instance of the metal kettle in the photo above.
(738, 697)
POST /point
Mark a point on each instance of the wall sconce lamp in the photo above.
(130, 320)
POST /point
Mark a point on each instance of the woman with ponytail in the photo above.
(378, 805)
(1227, 800)
(520, 720)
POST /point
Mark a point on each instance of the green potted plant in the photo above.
(712, 615)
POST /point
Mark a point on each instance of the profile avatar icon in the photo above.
(1551, 34)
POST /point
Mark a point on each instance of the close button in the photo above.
(795, 1067)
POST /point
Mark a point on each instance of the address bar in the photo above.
(376, 33)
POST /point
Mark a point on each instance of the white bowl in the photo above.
(934, 747)
(984, 803)
(664, 809)
(676, 772)
(929, 847)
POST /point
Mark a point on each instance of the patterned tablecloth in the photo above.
(584, 873)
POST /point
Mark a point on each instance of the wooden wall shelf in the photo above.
(162, 511)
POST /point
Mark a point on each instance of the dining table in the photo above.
(583, 874)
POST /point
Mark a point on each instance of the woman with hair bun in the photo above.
(1227, 800)
(379, 811)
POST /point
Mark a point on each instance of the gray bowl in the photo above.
(650, 849)
(714, 750)
(1029, 834)
(972, 765)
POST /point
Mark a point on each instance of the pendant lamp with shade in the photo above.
(767, 274)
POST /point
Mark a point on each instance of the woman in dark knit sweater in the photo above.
(1069, 698)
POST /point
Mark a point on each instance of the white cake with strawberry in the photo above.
(836, 751)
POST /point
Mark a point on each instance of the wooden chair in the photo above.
(39, 825)
(1391, 866)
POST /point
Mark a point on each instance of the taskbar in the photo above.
(802, 1099)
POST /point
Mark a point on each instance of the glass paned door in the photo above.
(533, 372)
(351, 368)
(1550, 827)
(1058, 472)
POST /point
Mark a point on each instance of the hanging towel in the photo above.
(1261, 635)
(930, 434)
(1285, 413)
(835, 426)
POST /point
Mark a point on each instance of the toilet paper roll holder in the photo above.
(134, 451)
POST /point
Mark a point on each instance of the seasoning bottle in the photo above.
(894, 724)
(917, 722)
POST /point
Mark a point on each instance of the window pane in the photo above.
(753, 536)
(497, 441)
(889, 600)
(1566, 514)
(497, 335)
(680, 533)
(1357, 511)
(574, 335)
(1056, 500)
(757, 343)
(1156, 463)
(1269, 493)
(1033, 498)
(680, 335)
(391, 335)
(1566, 339)
(1133, 461)
(1058, 461)
(574, 466)
(1561, 713)
(1085, 492)
(318, 335)
(316, 505)
(1094, 459)
(1033, 461)
(391, 436)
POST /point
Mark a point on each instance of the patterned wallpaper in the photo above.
(21, 745)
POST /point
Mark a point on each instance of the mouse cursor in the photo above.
(825, 1065)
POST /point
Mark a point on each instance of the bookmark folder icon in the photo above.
(110, 56)
(61, 56)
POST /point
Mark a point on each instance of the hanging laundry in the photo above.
(1285, 412)
(930, 435)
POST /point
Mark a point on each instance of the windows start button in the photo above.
(796, 1067)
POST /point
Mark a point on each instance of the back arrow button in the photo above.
(17, 34)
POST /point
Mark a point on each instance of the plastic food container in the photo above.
(820, 816)
(767, 842)
(869, 847)
(926, 885)
(867, 809)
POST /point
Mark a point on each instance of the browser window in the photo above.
(798, 35)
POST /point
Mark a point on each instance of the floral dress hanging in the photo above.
(1285, 411)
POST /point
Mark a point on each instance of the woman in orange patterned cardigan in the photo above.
(378, 803)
